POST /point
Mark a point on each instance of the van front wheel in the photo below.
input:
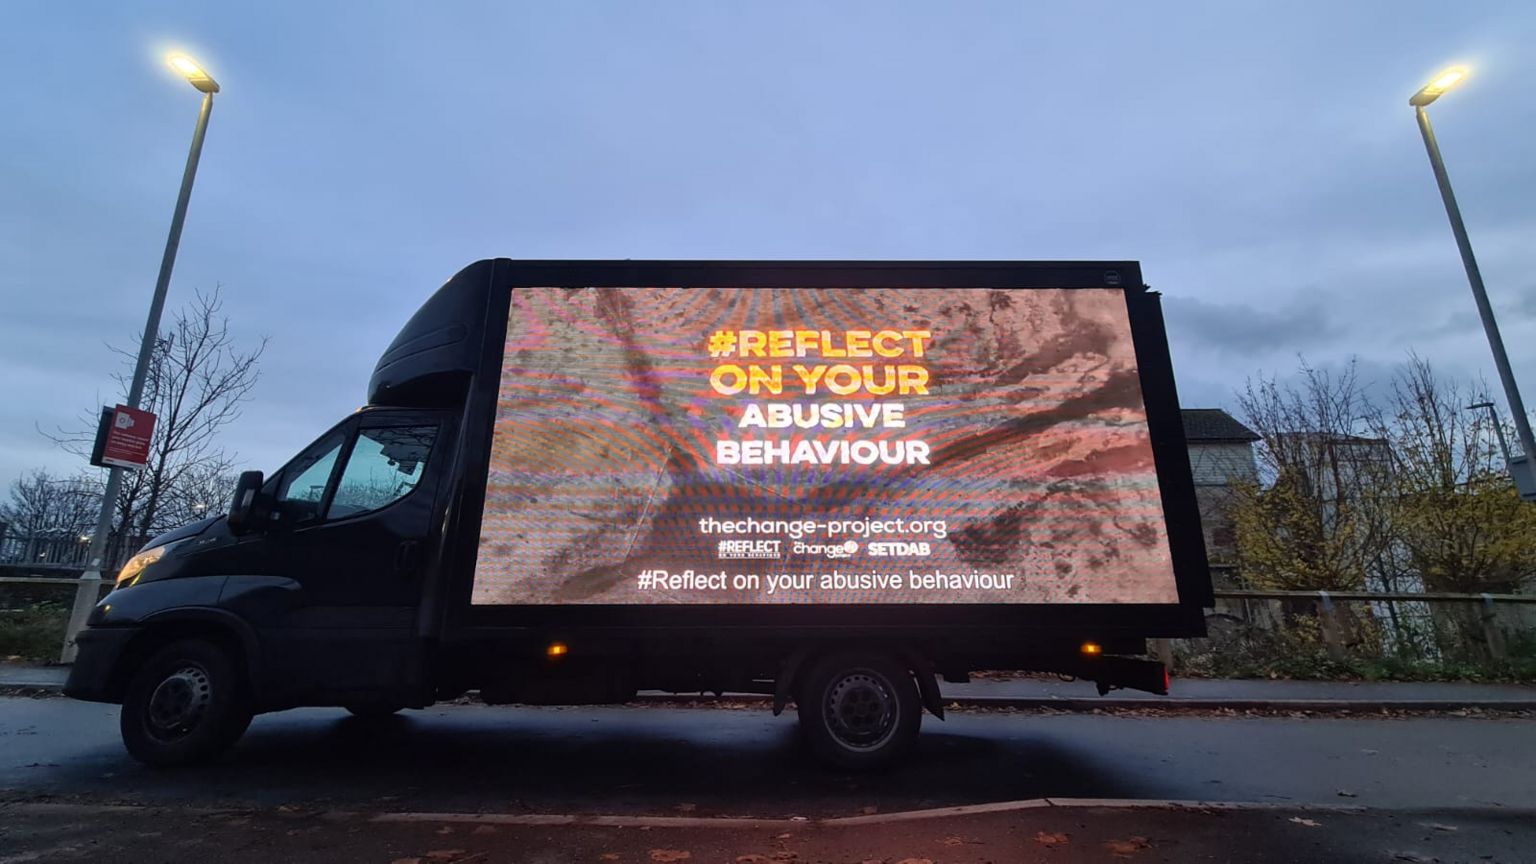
(859, 711)
(186, 704)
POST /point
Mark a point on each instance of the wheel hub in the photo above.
(861, 710)
(179, 701)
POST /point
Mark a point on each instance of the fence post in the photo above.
(1328, 623)
(1492, 635)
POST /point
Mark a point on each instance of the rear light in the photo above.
(1167, 679)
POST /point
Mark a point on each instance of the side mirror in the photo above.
(243, 505)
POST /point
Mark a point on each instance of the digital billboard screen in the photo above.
(697, 446)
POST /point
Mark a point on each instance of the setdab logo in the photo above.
(898, 549)
(829, 550)
(758, 550)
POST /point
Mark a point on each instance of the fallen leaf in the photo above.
(784, 836)
(783, 855)
(609, 856)
(406, 861)
(687, 808)
(1438, 827)
(446, 854)
(915, 861)
(752, 859)
(799, 819)
(446, 829)
(1345, 793)
(1307, 822)
(485, 829)
(1128, 847)
(870, 810)
(1050, 838)
(663, 856)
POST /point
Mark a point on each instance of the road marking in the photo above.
(614, 821)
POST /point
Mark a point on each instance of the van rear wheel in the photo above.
(859, 711)
(186, 704)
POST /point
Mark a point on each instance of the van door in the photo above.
(351, 518)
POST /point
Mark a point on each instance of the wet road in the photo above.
(662, 761)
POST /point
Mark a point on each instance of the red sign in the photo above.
(127, 444)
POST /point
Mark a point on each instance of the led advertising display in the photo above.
(821, 446)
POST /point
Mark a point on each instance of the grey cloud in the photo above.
(1245, 329)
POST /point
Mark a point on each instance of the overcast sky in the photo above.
(1259, 159)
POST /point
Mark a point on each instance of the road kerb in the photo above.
(1070, 704)
(1090, 704)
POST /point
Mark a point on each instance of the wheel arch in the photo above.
(914, 658)
(218, 626)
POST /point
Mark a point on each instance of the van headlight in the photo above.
(139, 563)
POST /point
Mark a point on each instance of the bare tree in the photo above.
(1316, 522)
(197, 381)
(48, 513)
(1459, 520)
(41, 503)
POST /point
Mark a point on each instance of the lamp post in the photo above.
(1498, 429)
(1520, 468)
(90, 582)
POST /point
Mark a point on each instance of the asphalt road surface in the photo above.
(1432, 786)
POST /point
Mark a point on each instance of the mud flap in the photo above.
(927, 684)
(784, 684)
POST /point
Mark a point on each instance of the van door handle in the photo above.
(405, 557)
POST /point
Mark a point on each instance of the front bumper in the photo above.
(98, 650)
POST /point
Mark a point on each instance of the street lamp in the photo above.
(1520, 467)
(90, 581)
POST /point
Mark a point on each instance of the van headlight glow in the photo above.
(137, 565)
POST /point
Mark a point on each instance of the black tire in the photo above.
(187, 704)
(373, 710)
(859, 711)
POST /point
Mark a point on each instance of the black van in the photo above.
(831, 482)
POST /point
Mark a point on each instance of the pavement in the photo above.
(1187, 693)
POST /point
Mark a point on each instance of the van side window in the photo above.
(303, 485)
(386, 464)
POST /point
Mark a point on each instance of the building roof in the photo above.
(1214, 424)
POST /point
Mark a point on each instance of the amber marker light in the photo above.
(556, 650)
(1092, 649)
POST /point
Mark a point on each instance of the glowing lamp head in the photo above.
(1092, 649)
(1441, 83)
(195, 74)
(556, 650)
